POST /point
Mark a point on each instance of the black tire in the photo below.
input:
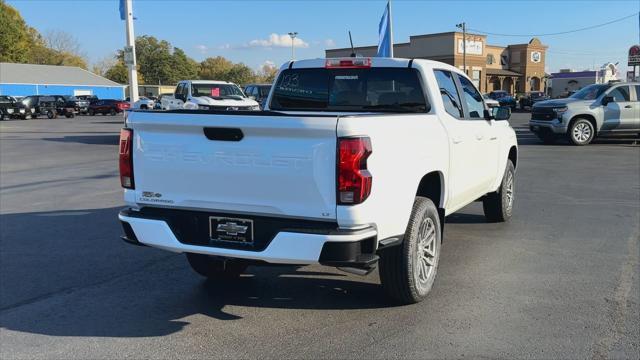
(51, 114)
(498, 206)
(399, 265)
(69, 116)
(581, 132)
(1, 116)
(215, 268)
(92, 112)
(112, 112)
(547, 137)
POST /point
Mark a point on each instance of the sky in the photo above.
(254, 32)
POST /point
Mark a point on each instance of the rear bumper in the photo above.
(355, 248)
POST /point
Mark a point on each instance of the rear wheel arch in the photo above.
(432, 187)
(513, 156)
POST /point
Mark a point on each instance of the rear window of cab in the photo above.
(369, 89)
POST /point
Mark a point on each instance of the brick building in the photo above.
(514, 68)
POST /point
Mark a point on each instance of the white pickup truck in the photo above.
(208, 95)
(355, 163)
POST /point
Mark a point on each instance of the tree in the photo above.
(103, 65)
(22, 44)
(219, 68)
(214, 68)
(118, 73)
(267, 73)
(15, 36)
(160, 63)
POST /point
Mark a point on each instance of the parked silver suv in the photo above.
(595, 110)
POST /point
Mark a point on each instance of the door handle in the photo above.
(493, 138)
(628, 107)
(479, 137)
(456, 140)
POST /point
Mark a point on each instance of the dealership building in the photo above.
(29, 79)
(515, 68)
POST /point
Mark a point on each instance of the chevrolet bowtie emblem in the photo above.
(231, 228)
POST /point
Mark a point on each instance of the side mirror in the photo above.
(251, 97)
(607, 99)
(501, 113)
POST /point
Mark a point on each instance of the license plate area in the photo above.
(233, 230)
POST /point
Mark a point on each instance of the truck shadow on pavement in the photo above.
(67, 273)
(88, 139)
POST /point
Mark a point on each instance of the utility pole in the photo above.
(463, 26)
(131, 48)
(293, 37)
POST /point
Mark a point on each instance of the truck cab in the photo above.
(208, 95)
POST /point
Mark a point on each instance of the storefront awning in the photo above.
(501, 72)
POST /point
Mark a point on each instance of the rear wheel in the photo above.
(216, 268)
(498, 206)
(581, 132)
(407, 271)
(112, 112)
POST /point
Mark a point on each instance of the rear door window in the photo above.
(371, 89)
(449, 93)
(472, 98)
(620, 94)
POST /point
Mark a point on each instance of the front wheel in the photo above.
(215, 268)
(581, 132)
(498, 206)
(51, 114)
(407, 271)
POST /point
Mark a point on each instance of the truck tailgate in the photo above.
(259, 164)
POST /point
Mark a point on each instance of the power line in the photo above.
(557, 33)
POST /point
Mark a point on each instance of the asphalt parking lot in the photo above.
(559, 281)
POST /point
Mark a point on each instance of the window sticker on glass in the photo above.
(215, 92)
(346, 77)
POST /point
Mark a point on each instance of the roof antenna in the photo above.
(353, 51)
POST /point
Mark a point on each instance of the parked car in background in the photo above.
(490, 102)
(49, 105)
(596, 110)
(108, 106)
(530, 98)
(158, 103)
(81, 106)
(11, 108)
(258, 92)
(209, 95)
(143, 103)
(504, 98)
(89, 98)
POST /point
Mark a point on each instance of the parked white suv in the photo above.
(355, 163)
(208, 95)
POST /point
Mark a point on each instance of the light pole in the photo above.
(463, 26)
(293, 37)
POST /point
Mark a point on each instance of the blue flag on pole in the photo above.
(385, 41)
(123, 10)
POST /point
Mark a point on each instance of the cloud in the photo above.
(224, 47)
(202, 48)
(275, 40)
(329, 43)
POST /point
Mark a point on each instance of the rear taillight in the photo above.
(349, 63)
(126, 158)
(354, 180)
